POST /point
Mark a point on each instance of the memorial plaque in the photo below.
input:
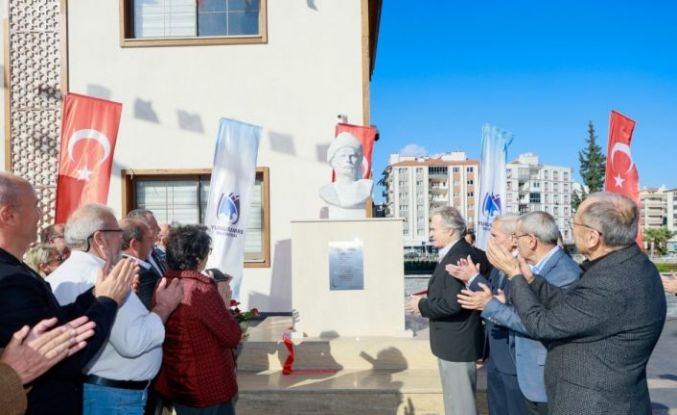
(346, 265)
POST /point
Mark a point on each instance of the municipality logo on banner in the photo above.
(491, 205)
(229, 208)
(233, 176)
(492, 181)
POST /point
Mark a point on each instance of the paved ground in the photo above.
(662, 372)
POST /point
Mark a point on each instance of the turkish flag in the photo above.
(89, 130)
(621, 171)
(367, 136)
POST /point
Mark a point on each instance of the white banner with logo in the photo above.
(230, 189)
(492, 196)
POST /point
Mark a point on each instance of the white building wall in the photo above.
(294, 86)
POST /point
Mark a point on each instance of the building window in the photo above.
(455, 170)
(438, 170)
(181, 196)
(192, 22)
(469, 169)
(534, 197)
(470, 182)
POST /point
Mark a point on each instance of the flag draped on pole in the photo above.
(89, 131)
(233, 176)
(492, 181)
(367, 136)
(621, 173)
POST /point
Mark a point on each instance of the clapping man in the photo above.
(600, 332)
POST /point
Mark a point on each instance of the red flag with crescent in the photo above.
(367, 136)
(89, 130)
(621, 171)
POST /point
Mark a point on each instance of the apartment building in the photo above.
(533, 186)
(416, 186)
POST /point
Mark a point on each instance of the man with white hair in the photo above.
(118, 378)
(26, 299)
(535, 235)
(456, 336)
(503, 392)
(600, 332)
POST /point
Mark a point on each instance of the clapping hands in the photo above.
(464, 269)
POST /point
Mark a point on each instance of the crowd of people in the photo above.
(558, 337)
(110, 316)
(120, 316)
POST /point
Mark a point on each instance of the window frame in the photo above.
(128, 198)
(126, 10)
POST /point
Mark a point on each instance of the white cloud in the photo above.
(413, 150)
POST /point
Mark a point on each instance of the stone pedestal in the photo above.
(375, 310)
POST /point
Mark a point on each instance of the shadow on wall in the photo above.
(190, 121)
(279, 299)
(99, 91)
(143, 110)
(282, 143)
(322, 152)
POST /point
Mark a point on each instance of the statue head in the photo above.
(345, 155)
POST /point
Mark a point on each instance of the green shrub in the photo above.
(666, 267)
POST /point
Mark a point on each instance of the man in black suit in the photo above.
(137, 243)
(157, 257)
(456, 335)
(26, 299)
(600, 333)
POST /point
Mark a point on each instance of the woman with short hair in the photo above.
(198, 368)
(43, 259)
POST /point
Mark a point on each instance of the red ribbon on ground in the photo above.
(289, 361)
(287, 367)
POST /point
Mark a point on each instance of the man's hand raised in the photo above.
(167, 297)
(464, 269)
(117, 283)
(502, 259)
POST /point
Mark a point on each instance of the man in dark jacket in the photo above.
(601, 332)
(26, 299)
(456, 335)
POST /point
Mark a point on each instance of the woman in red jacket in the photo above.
(198, 369)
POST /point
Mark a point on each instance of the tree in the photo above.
(577, 197)
(659, 237)
(593, 167)
(385, 183)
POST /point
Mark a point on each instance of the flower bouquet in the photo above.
(242, 317)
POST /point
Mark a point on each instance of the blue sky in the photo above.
(540, 70)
